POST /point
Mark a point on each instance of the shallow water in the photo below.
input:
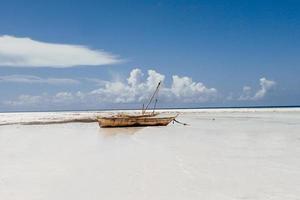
(220, 155)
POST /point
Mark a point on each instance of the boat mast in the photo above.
(153, 95)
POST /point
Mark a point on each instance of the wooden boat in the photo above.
(143, 119)
(135, 120)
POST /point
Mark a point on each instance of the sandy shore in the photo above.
(237, 154)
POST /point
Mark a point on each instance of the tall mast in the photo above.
(153, 95)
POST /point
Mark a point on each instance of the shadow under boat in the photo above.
(120, 130)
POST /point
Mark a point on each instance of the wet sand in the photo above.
(220, 155)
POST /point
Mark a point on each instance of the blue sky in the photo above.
(208, 53)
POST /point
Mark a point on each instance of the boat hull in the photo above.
(106, 122)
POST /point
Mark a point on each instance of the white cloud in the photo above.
(189, 91)
(265, 87)
(137, 89)
(25, 52)
(35, 79)
(246, 95)
(135, 77)
(62, 97)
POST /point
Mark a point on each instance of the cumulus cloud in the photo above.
(25, 52)
(135, 77)
(35, 79)
(265, 86)
(184, 87)
(137, 88)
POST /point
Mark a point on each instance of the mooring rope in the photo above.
(174, 120)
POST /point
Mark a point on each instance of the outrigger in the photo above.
(143, 119)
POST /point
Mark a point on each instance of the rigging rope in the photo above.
(156, 91)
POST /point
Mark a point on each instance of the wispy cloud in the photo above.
(265, 86)
(26, 52)
(96, 81)
(26, 100)
(28, 79)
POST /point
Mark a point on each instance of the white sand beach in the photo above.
(222, 154)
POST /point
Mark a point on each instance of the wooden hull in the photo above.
(134, 121)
